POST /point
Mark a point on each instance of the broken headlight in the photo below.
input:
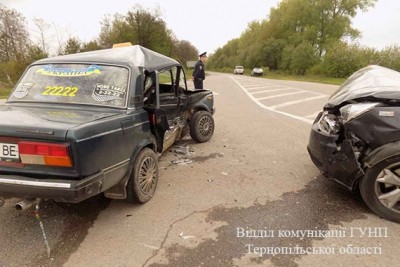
(353, 111)
(329, 123)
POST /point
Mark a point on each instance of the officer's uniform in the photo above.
(199, 74)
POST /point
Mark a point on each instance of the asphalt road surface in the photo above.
(249, 197)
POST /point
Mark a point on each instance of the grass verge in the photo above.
(4, 92)
(303, 78)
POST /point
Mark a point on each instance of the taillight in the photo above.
(49, 154)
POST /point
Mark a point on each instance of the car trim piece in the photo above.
(34, 183)
(109, 132)
(116, 165)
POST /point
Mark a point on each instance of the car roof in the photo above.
(133, 56)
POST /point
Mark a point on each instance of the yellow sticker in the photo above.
(69, 72)
(60, 91)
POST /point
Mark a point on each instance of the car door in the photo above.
(168, 94)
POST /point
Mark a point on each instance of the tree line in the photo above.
(19, 47)
(306, 37)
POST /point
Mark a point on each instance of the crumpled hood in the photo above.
(372, 81)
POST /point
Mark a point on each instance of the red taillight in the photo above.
(49, 154)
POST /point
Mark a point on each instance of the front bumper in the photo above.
(335, 160)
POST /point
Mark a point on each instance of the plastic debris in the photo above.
(182, 161)
(183, 150)
(224, 173)
(210, 180)
(186, 236)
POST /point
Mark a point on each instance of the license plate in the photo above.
(9, 151)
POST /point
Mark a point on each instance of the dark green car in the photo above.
(83, 124)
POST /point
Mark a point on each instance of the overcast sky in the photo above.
(207, 24)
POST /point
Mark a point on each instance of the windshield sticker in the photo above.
(22, 90)
(105, 92)
(69, 72)
(60, 91)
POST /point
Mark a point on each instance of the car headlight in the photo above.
(353, 111)
(329, 123)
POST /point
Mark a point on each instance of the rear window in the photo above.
(73, 84)
(239, 67)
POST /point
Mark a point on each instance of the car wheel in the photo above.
(144, 177)
(201, 126)
(380, 188)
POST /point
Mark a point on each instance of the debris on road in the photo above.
(186, 236)
(182, 162)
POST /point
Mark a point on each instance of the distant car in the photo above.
(355, 140)
(238, 70)
(257, 72)
(83, 124)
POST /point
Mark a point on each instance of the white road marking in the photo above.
(267, 91)
(298, 101)
(275, 96)
(313, 116)
(268, 108)
(247, 87)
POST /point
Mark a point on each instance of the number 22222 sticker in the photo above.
(60, 91)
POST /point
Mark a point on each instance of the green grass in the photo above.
(305, 78)
(4, 92)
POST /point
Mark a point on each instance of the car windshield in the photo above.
(239, 67)
(73, 84)
(372, 81)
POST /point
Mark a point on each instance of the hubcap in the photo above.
(147, 175)
(205, 126)
(387, 188)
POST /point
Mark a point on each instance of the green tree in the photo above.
(34, 53)
(343, 59)
(72, 46)
(295, 29)
(184, 51)
(390, 57)
(138, 26)
(90, 46)
(14, 38)
(303, 58)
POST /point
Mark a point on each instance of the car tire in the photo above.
(201, 126)
(380, 188)
(144, 177)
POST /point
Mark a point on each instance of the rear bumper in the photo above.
(62, 190)
(336, 161)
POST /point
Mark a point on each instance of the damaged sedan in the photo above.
(91, 123)
(355, 140)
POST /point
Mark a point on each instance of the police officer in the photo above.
(199, 73)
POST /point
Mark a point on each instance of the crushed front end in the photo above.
(335, 150)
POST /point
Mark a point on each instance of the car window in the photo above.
(182, 80)
(166, 80)
(73, 84)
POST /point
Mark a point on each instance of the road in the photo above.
(249, 197)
